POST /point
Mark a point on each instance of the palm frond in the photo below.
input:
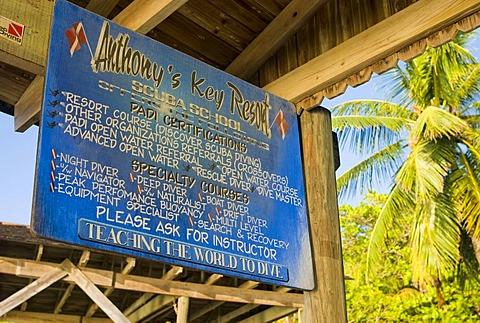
(466, 89)
(373, 108)
(366, 134)
(466, 189)
(378, 167)
(424, 170)
(398, 208)
(435, 239)
(433, 74)
(434, 123)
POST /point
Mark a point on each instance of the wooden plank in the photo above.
(229, 317)
(151, 307)
(81, 263)
(102, 7)
(326, 302)
(215, 21)
(144, 15)
(93, 292)
(36, 317)
(28, 107)
(173, 273)
(246, 308)
(202, 41)
(368, 47)
(182, 309)
(13, 83)
(213, 305)
(53, 275)
(160, 301)
(37, 258)
(238, 11)
(277, 33)
(271, 314)
(128, 267)
(104, 278)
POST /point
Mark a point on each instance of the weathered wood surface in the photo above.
(37, 317)
(326, 302)
(104, 278)
(370, 46)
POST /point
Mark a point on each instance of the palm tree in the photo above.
(428, 141)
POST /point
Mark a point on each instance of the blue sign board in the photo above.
(150, 153)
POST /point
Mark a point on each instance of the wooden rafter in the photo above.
(269, 315)
(144, 15)
(104, 278)
(27, 109)
(160, 301)
(82, 262)
(370, 46)
(93, 292)
(102, 7)
(127, 269)
(250, 284)
(173, 273)
(246, 308)
(273, 37)
(38, 256)
(36, 317)
(54, 274)
(154, 305)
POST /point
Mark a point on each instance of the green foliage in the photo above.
(426, 144)
(390, 295)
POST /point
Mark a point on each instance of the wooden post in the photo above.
(182, 310)
(326, 302)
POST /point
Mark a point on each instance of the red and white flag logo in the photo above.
(76, 37)
(11, 30)
(15, 29)
(282, 124)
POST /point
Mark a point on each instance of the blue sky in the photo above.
(18, 154)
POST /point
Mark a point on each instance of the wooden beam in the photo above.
(270, 315)
(182, 309)
(160, 301)
(28, 108)
(36, 317)
(128, 267)
(273, 37)
(249, 284)
(173, 273)
(102, 7)
(151, 307)
(81, 263)
(229, 317)
(326, 302)
(212, 279)
(144, 15)
(93, 292)
(246, 308)
(37, 258)
(415, 22)
(104, 278)
(53, 275)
